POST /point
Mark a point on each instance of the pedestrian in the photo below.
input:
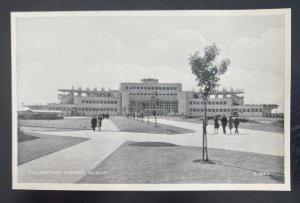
(216, 124)
(94, 123)
(236, 125)
(224, 123)
(99, 122)
(230, 121)
(142, 116)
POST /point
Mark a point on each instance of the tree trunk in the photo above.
(205, 123)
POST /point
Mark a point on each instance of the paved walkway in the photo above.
(85, 156)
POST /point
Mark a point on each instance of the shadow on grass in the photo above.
(152, 144)
(22, 137)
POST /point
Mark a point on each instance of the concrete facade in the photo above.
(150, 96)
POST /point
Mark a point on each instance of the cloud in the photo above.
(260, 87)
(265, 53)
(175, 49)
(70, 48)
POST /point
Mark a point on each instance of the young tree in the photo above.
(208, 71)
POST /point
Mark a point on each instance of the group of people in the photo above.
(224, 121)
(97, 122)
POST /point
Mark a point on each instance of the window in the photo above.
(213, 110)
(175, 88)
(217, 103)
(248, 110)
(224, 102)
(164, 88)
(156, 88)
(202, 110)
(127, 87)
(141, 88)
(209, 103)
(159, 88)
(213, 103)
(194, 102)
(149, 88)
(168, 88)
(209, 110)
(134, 87)
(130, 88)
(198, 110)
(224, 110)
(137, 88)
(198, 103)
(217, 110)
(191, 103)
(256, 110)
(221, 102)
(104, 102)
(221, 110)
(171, 88)
(260, 110)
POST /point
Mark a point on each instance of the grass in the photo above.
(130, 125)
(22, 137)
(31, 149)
(79, 123)
(270, 126)
(135, 163)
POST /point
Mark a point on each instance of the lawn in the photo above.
(68, 123)
(159, 163)
(131, 125)
(269, 126)
(34, 145)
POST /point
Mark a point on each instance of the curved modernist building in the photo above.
(148, 96)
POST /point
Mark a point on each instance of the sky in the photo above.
(102, 51)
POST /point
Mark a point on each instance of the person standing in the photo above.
(94, 123)
(99, 122)
(230, 121)
(224, 123)
(216, 121)
(236, 125)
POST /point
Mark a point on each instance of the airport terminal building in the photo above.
(150, 95)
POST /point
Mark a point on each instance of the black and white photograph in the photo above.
(151, 100)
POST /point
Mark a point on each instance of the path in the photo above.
(85, 156)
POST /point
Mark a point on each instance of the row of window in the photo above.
(209, 103)
(225, 110)
(97, 109)
(99, 102)
(149, 88)
(152, 94)
(59, 108)
(83, 109)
